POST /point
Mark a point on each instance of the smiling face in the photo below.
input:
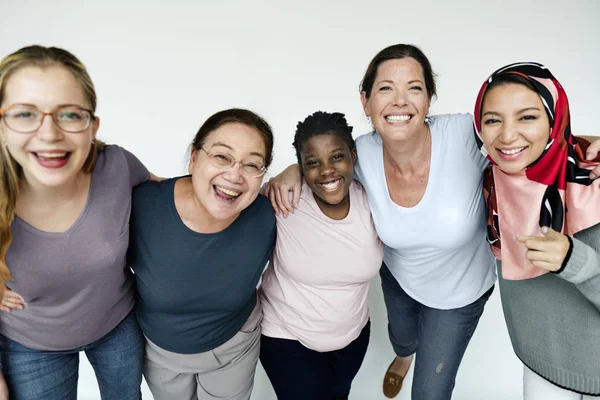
(514, 126)
(49, 157)
(328, 168)
(224, 192)
(398, 103)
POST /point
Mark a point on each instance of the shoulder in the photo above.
(370, 139)
(153, 188)
(454, 126)
(261, 209)
(110, 154)
(452, 122)
(357, 190)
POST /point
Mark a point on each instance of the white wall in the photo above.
(161, 68)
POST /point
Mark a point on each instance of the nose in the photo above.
(400, 97)
(234, 173)
(508, 132)
(326, 168)
(48, 131)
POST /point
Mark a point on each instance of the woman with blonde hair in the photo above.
(64, 233)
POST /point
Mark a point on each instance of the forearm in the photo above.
(583, 266)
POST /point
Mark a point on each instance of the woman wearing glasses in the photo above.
(198, 246)
(64, 221)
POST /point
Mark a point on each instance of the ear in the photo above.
(193, 157)
(354, 157)
(95, 127)
(364, 100)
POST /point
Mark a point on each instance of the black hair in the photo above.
(240, 116)
(323, 123)
(511, 79)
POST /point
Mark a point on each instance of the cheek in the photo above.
(487, 136)
(373, 105)
(254, 186)
(202, 174)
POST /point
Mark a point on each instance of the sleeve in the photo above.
(138, 173)
(583, 267)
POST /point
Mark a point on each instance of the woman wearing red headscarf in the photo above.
(544, 226)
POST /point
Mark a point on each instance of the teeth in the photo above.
(397, 118)
(51, 155)
(228, 191)
(512, 151)
(331, 185)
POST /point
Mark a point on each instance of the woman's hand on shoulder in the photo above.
(277, 189)
(592, 152)
(155, 178)
(11, 300)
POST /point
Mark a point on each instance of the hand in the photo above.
(548, 251)
(11, 300)
(290, 180)
(592, 152)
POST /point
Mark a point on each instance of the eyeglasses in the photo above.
(25, 118)
(225, 161)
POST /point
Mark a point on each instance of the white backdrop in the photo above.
(161, 68)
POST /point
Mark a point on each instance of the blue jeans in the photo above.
(117, 359)
(438, 337)
(299, 373)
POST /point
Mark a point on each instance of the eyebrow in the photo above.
(390, 81)
(232, 149)
(309, 155)
(58, 106)
(518, 112)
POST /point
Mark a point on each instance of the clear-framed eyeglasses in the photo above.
(26, 118)
(251, 169)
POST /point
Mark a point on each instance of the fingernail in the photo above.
(592, 175)
(545, 229)
(589, 156)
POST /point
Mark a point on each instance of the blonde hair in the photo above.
(10, 171)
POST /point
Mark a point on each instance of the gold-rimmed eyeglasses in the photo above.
(251, 169)
(26, 118)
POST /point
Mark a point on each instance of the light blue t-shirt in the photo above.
(436, 250)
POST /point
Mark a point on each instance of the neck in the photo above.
(35, 192)
(409, 155)
(192, 212)
(334, 211)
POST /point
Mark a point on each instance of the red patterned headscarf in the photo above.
(553, 191)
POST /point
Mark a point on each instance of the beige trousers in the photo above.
(226, 372)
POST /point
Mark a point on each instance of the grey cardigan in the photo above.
(554, 320)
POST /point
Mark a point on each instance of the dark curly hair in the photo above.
(322, 123)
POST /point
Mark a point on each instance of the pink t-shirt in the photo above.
(315, 288)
